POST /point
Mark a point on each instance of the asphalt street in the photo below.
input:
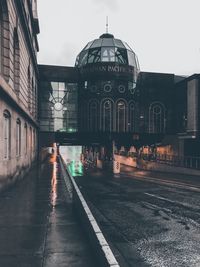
(149, 218)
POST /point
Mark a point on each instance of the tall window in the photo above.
(121, 116)
(26, 138)
(29, 87)
(6, 134)
(30, 140)
(156, 118)
(18, 137)
(107, 115)
(93, 116)
(132, 117)
(4, 40)
(16, 61)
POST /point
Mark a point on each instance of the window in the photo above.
(121, 56)
(29, 87)
(4, 40)
(93, 115)
(121, 116)
(107, 115)
(132, 119)
(6, 134)
(94, 55)
(26, 138)
(156, 118)
(16, 61)
(30, 140)
(107, 54)
(18, 137)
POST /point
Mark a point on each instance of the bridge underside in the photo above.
(88, 138)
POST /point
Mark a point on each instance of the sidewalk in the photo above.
(37, 225)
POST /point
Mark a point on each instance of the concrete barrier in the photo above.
(99, 244)
(129, 161)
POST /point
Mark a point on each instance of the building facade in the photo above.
(103, 98)
(18, 88)
(112, 100)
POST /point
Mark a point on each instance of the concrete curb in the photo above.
(100, 246)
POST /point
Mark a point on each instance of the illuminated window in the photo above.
(18, 138)
(156, 118)
(6, 134)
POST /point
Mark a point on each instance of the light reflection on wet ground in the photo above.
(149, 224)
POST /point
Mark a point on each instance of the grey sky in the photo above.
(163, 33)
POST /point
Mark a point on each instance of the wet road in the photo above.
(147, 223)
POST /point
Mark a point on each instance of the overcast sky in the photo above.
(165, 34)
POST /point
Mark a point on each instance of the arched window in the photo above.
(131, 117)
(156, 118)
(4, 40)
(121, 116)
(26, 138)
(6, 134)
(107, 115)
(18, 137)
(16, 61)
(93, 115)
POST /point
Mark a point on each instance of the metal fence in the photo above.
(186, 162)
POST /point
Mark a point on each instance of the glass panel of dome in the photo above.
(88, 45)
(94, 55)
(77, 60)
(107, 54)
(83, 58)
(131, 58)
(121, 55)
(96, 43)
(118, 43)
(127, 46)
(137, 62)
(107, 42)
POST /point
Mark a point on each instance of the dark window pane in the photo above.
(121, 55)
(94, 55)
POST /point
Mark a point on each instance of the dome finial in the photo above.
(106, 24)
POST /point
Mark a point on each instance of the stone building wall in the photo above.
(18, 89)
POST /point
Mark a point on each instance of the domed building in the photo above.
(108, 70)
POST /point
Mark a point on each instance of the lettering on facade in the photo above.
(108, 68)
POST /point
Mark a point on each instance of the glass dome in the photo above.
(107, 49)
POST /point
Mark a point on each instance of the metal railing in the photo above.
(185, 162)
